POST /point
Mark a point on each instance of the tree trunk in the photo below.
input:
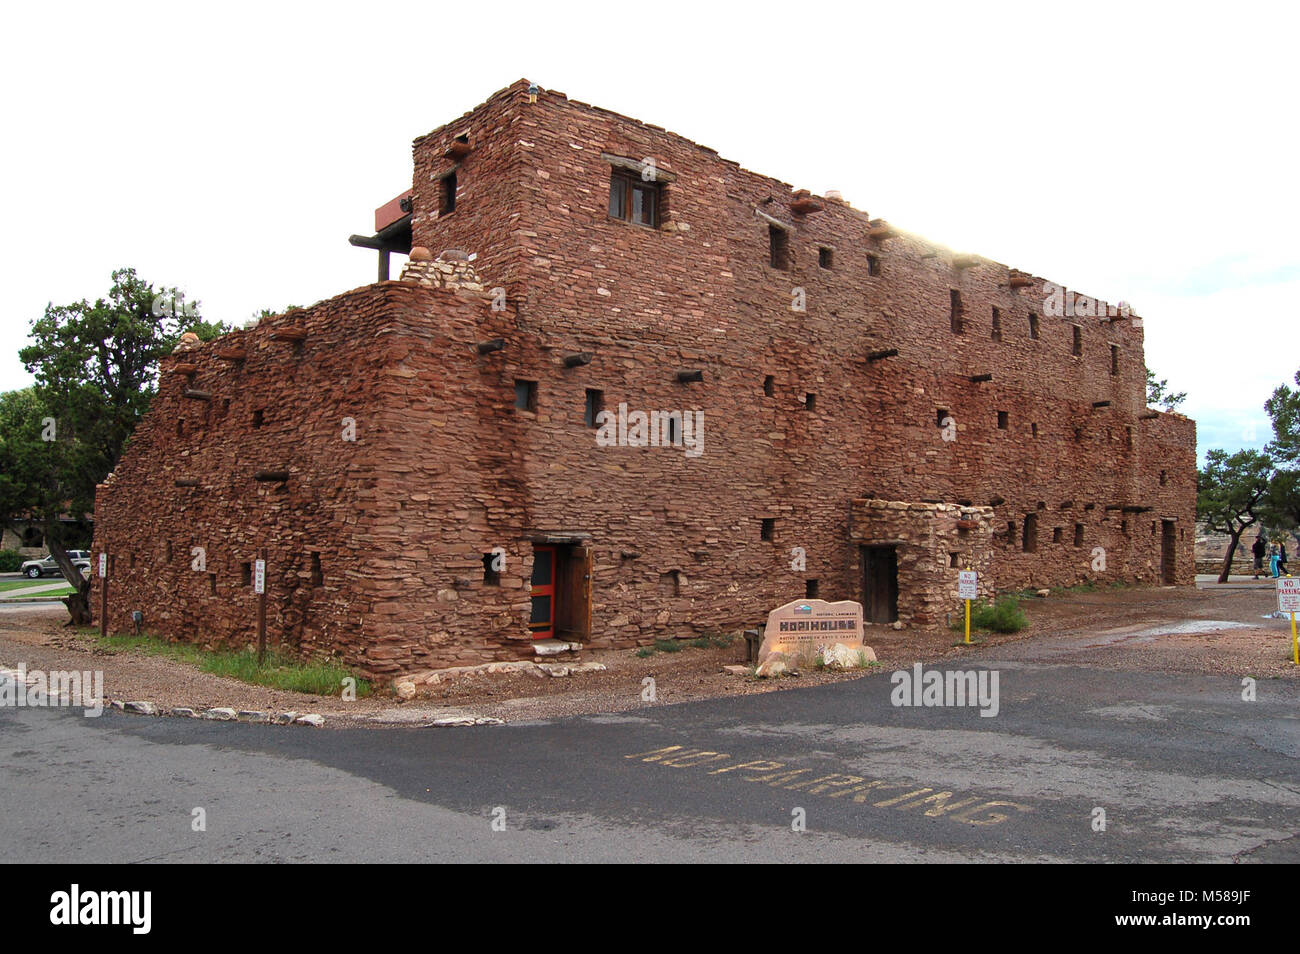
(78, 603)
(1232, 549)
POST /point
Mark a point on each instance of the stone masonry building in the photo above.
(444, 469)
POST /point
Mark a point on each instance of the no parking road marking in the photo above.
(969, 810)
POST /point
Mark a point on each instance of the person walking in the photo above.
(1272, 562)
(1281, 558)
(1259, 549)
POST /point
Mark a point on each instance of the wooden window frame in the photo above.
(630, 181)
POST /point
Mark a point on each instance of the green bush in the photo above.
(1004, 616)
(10, 561)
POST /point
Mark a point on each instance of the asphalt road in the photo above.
(1183, 767)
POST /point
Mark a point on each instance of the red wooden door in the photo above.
(542, 619)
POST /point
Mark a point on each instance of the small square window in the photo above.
(259, 417)
(1033, 429)
(941, 417)
(1056, 534)
(1076, 348)
(492, 569)
(1002, 420)
(810, 402)
(955, 311)
(1033, 327)
(769, 386)
(246, 574)
(595, 404)
(317, 574)
(1114, 359)
(1078, 534)
(766, 529)
(873, 265)
(526, 395)
(810, 589)
(825, 257)
(996, 333)
(633, 199)
(953, 559)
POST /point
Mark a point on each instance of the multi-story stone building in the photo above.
(445, 468)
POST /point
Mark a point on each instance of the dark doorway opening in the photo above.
(880, 584)
(561, 592)
(1168, 552)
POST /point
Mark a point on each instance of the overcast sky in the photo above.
(230, 149)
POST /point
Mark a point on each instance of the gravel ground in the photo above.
(1159, 630)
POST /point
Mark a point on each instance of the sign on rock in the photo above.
(805, 628)
(1288, 595)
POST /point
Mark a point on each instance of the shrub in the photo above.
(1004, 616)
(10, 561)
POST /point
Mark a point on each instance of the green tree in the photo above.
(1282, 503)
(96, 368)
(1159, 393)
(1230, 493)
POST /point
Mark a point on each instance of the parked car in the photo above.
(35, 569)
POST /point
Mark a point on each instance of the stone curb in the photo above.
(219, 714)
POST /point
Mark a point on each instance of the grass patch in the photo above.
(708, 641)
(24, 583)
(278, 671)
(1004, 616)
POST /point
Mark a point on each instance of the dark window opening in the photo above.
(1033, 429)
(1078, 434)
(1163, 478)
(212, 584)
(317, 575)
(491, 575)
(674, 426)
(1029, 537)
(632, 199)
(996, 333)
(953, 560)
(670, 583)
(941, 417)
(873, 265)
(1033, 327)
(769, 386)
(1056, 535)
(810, 589)
(955, 310)
(1123, 527)
(1078, 534)
(180, 427)
(1076, 348)
(1002, 420)
(448, 194)
(825, 257)
(595, 404)
(778, 247)
(767, 527)
(1114, 359)
(246, 573)
(809, 402)
(259, 417)
(525, 395)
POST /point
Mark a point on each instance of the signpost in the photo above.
(967, 589)
(259, 587)
(103, 595)
(1288, 601)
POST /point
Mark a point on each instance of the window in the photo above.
(212, 584)
(1078, 534)
(940, 416)
(448, 205)
(674, 429)
(810, 589)
(769, 386)
(491, 575)
(873, 265)
(526, 395)
(954, 310)
(1114, 359)
(317, 575)
(825, 257)
(1163, 478)
(996, 333)
(778, 247)
(246, 573)
(766, 528)
(954, 559)
(1033, 327)
(632, 199)
(1056, 534)
(1033, 429)
(1076, 348)
(1002, 420)
(1029, 536)
(670, 583)
(595, 404)
(180, 427)
(810, 402)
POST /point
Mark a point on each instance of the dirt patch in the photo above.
(1165, 630)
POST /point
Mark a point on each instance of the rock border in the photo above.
(218, 713)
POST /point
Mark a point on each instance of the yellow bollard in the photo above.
(968, 622)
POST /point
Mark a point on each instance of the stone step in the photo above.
(554, 647)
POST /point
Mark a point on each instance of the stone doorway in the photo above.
(880, 584)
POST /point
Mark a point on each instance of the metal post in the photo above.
(261, 612)
(103, 595)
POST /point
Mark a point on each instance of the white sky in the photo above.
(1136, 153)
